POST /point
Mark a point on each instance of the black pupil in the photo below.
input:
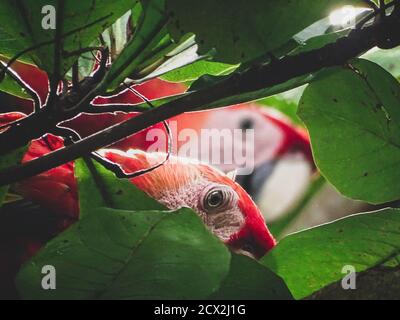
(215, 198)
(247, 124)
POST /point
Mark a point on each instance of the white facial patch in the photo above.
(284, 188)
(267, 138)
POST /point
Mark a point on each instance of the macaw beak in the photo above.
(254, 182)
(276, 186)
(254, 238)
(251, 248)
(295, 144)
(253, 241)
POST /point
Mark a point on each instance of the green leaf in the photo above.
(116, 37)
(206, 81)
(96, 182)
(21, 27)
(6, 161)
(286, 106)
(86, 63)
(149, 33)
(196, 70)
(10, 86)
(243, 30)
(312, 259)
(116, 254)
(318, 42)
(388, 59)
(352, 117)
(151, 52)
(173, 57)
(249, 280)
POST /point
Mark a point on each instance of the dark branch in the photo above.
(55, 75)
(43, 121)
(111, 108)
(117, 169)
(385, 34)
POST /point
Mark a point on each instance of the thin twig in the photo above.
(371, 4)
(68, 54)
(117, 169)
(112, 108)
(75, 75)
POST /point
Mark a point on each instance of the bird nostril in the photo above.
(248, 247)
(245, 253)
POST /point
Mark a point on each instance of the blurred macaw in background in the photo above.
(278, 159)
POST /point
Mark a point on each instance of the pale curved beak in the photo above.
(254, 182)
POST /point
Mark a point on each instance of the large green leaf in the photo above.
(353, 117)
(243, 30)
(314, 258)
(249, 280)
(133, 250)
(98, 187)
(116, 254)
(21, 26)
(174, 57)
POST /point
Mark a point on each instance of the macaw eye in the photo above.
(217, 199)
(247, 124)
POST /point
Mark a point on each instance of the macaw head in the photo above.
(221, 203)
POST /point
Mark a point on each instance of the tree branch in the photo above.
(385, 34)
(55, 75)
(68, 105)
